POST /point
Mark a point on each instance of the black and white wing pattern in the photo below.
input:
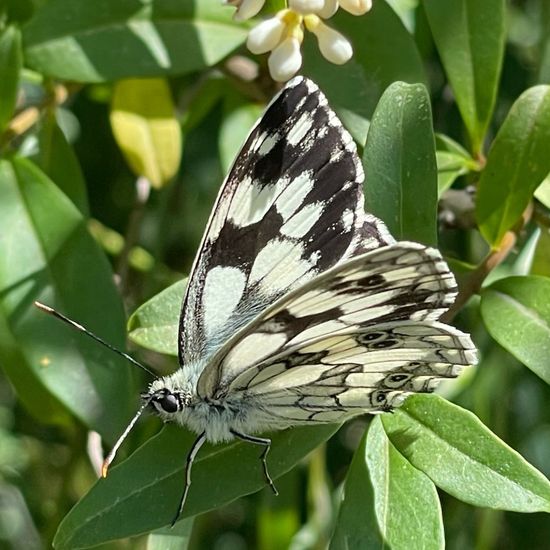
(290, 208)
(359, 337)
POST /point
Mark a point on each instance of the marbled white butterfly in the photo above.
(301, 308)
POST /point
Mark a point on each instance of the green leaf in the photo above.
(155, 323)
(541, 257)
(470, 37)
(542, 192)
(353, 89)
(11, 60)
(387, 502)
(516, 312)
(46, 254)
(114, 507)
(463, 457)
(171, 538)
(400, 164)
(58, 160)
(517, 163)
(453, 161)
(76, 39)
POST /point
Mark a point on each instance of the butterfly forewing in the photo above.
(290, 208)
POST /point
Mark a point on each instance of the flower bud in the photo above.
(246, 8)
(306, 6)
(266, 35)
(334, 47)
(285, 60)
(356, 7)
(329, 9)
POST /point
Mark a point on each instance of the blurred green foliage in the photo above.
(449, 102)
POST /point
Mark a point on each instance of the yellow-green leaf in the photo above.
(146, 129)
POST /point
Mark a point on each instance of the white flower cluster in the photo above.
(282, 34)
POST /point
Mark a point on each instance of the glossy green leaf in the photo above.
(357, 522)
(142, 493)
(46, 254)
(516, 312)
(463, 457)
(353, 89)
(517, 164)
(155, 323)
(400, 164)
(106, 40)
(387, 502)
(470, 36)
(11, 60)
(58, 160)
(406, 502)
(171, 538)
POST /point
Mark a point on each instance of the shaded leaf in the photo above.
(541, 257)
(147, 130)
(11, 60)
(463, 457)
(114, 507)
(154, 324)
(516, 312)
(518, 162)
(453, 161)
(400, 164)
(471, 56)
(58, 160)
(76, 39)
(46, 254)
(354, 89)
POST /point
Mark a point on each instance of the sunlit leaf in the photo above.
(106, 40)
(400, 164)
(171, 538)
(154, 324)
(387, 502)
(516, 312)
(146, 129)
(470, 36)
(463, 457)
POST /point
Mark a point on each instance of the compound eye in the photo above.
(169, 403)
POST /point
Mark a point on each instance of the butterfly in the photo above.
(300, 307)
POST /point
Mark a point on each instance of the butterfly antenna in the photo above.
(111, 456)
(74, 324)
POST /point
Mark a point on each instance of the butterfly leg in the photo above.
(189, 464)
(267, 445)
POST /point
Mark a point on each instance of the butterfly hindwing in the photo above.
(290, 208)
(404, 282)
(369, 370)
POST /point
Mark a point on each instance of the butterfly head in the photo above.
(166, 398)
